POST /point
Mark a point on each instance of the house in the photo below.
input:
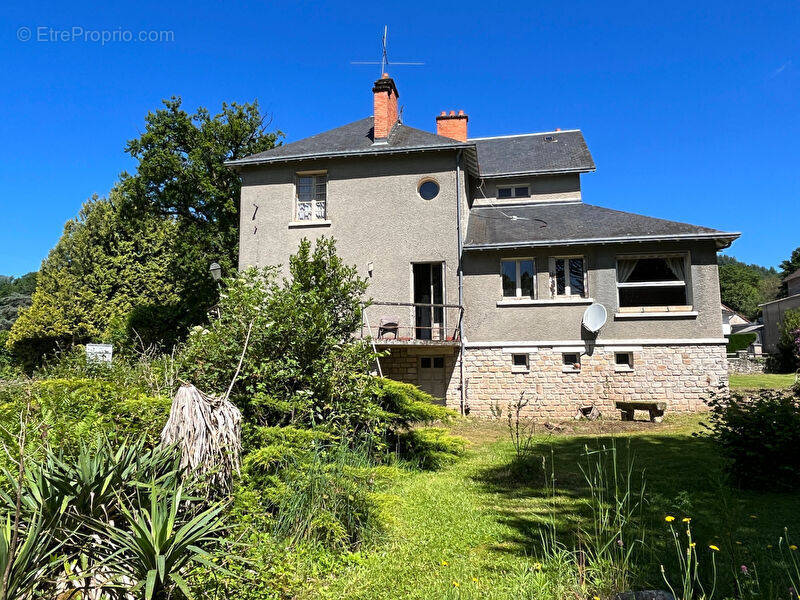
(773, 311)
(482, 257)
(734, 322)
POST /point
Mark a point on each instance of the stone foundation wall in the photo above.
(681, 375)
(402, 364)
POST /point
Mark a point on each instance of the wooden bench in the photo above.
(656, 409)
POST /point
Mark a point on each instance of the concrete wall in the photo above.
(485, 321)
(543, 188)
(375, 214)
(773, 317)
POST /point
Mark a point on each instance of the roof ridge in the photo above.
(511, 135)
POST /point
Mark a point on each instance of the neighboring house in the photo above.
(405, 205)
(734, 322)
(773, 311)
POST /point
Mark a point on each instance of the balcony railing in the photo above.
(412, 323)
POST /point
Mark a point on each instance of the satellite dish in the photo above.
(594, 317)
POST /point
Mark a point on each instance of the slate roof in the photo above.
(568, 223)
(552, 152)
(353, 139)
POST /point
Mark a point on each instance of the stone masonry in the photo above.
(680, 375)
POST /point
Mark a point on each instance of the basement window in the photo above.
(522, 191)
(519, 363)
(571, 361)
(519, 278)
(623, 361)
(653, 281)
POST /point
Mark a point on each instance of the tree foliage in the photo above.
(788, 267)
(744, 286)
(181, 175)
(104, 265)
(15, 294)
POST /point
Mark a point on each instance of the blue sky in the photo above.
(690, 109)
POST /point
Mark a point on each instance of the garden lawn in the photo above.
(472, 530)
(772, 381)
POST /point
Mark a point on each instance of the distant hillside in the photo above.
(15, 293)
(744, 286)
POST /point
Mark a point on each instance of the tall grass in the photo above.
(328, 498)
(602, 556)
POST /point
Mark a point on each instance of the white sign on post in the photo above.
(99, 352)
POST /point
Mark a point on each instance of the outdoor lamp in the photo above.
(216, 271)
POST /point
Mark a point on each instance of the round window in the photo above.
(429, 189)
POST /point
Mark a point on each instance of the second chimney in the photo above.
(385, 101)
(453, 125)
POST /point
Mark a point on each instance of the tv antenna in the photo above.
(384, 62)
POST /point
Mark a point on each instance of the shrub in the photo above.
(787, 357)
(68, 412)
(760, 436)
(739, 341)
(430, 447)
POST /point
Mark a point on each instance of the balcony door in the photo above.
(428, 291)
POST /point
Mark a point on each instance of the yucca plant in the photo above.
(150, 553)
(26, 560)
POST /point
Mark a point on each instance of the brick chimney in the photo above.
(452, 125)
(385, 99)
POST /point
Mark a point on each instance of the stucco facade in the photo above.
(439, 309)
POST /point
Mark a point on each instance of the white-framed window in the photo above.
(568, 277)
(311, 191)
(513, 191)
(520, 363)
(518, 277)
(647, 281)
(623, 361)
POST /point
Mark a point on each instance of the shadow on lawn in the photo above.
(683, 476)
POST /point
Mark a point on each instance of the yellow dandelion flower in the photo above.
(687, 519)
(595, 597)
(444, 563)
(537, 566)
(693, 544)
(669, 518)
(714, 548)
(792, 547)
(474, 580)
(455, 584)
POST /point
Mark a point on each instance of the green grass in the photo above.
(761, 380)
(476, 524)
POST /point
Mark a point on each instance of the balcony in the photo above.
(412, 324)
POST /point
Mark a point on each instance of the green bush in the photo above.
(68, 412)
(430, 447)
(739, 341)
(786, 359)
(760, 436)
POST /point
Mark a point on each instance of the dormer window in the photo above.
(311, 196)
(521, 191)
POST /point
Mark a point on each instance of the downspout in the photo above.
(462, 392)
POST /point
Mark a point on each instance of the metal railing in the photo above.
(411, 322)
